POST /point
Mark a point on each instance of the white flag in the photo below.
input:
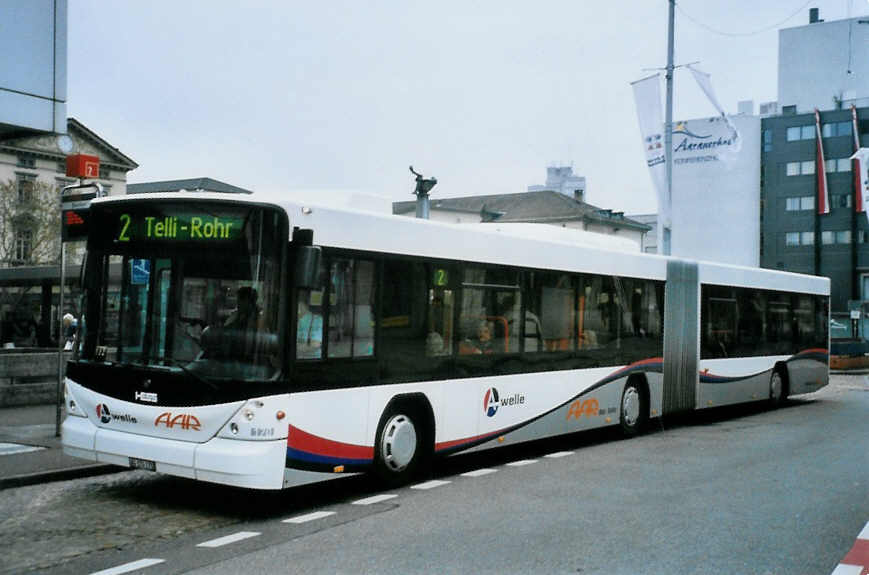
(862, 157)
(704, 80)
(647, 96)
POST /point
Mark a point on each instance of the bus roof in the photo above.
(527, 245)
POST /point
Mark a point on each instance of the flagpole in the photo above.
(666, 222)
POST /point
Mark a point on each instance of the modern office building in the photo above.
(794, 237)
(822, 66)
(33, 73)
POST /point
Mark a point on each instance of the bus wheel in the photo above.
(777, 391)
(633, 409)
(398, 449)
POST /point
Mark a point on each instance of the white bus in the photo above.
(265, 343)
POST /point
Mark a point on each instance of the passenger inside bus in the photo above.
(246, 315)
(482, 343)
(309, 330)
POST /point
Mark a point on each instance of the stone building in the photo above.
(32, 173)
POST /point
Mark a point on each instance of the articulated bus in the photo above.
(265, 343)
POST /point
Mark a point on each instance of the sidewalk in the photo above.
(30, 453)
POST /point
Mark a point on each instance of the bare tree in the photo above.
(29, 223)
(29, 235)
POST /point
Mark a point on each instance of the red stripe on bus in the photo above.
(304, 441)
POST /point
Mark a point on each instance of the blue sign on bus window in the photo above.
(140, 271)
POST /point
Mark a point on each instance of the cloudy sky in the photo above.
(481, 94)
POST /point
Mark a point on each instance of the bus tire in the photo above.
(778, 387)
(399, 449)
(634, 408)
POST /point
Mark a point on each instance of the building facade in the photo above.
(823, 65)
(33, 74)
(793, 236)
(32, 173)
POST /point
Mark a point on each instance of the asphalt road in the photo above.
(732, 491)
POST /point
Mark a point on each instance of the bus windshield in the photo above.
(184, 286)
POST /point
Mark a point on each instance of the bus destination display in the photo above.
(178, 228)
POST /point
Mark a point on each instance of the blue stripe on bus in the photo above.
(295, 454)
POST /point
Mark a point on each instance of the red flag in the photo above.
(823, 197)
(855, 166)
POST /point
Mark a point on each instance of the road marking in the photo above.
(127, 567)
(220, 541)
(430, 484)
(558, 454)
(479, 472)
(13, 448)
(522, 462)
(375, 499)
(309, 517)
(847, 570)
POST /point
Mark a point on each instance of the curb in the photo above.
(857, 559)
(59, 475)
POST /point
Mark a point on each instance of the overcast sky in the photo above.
(483, 95)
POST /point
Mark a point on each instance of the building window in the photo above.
(26, 162)
(799, 203)
(843, 237)
(25, 184)
(828, 238)
(807, 132)
(767, 140)
(61, 168)
(843, 128)
(843, 165)
(105, 173)
(800, 168)
(841, 200)
(23, 245)
(793, 134)
(793, 239)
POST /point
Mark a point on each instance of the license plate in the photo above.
(143, 464)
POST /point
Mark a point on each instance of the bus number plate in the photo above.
(143, 464)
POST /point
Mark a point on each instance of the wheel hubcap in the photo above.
(631, 406)
(775, 386)
(398, 444)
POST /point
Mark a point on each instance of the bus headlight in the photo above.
(72, 406)
(262, 419)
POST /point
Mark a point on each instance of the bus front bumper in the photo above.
(251, 464)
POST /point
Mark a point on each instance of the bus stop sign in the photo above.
(83, 166)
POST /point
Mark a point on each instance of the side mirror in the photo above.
(307, 269)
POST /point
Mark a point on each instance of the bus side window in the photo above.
(549, 317)
(309, 319)
(351, 310)
(403, 332)
(439, 340)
